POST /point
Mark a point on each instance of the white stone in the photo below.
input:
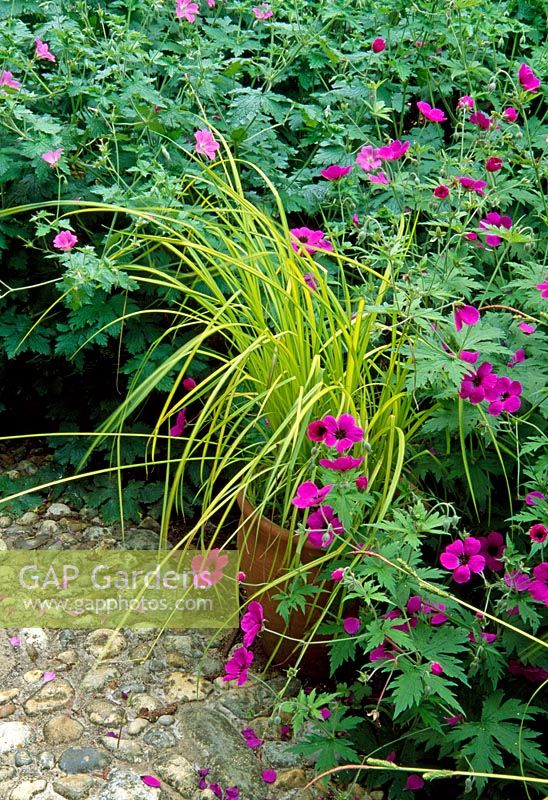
(37, 637)
(28, 789)
(58, 510)
(13, 735)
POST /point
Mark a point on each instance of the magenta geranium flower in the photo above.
(308, 494)
(493, 164)
(237, 666)
(528, 79)
(527, 328)
(380, 177)
(51, 157)
(538, 533)
(466, 102)
(538, 587)
(65, 241)
(465, 315)
(481, 120)
(205, 143)
(505, 397)
(368, 158)
(311, 281)
(543, 288)
(263, 11)
(498, 221)
(341, 432)
(351, 625)
(378, 45)
(7, 79)
(316, 431)
(362, 482)
(322, 527)
(471, 184)
(380, 653)
(517, 358)
(510, 114)
(436, 668)
(335, 172)
(469, 356)
(341, 464)
(463, 558)
(414, 783)
(337, 574)
(477, 385)
(429, 113)
(43, 51)
(531, 498)
(441, 191)
(394, 150)
(187, 10)
(208, 568)
(269, 775)
(492, 549)
(309, 240)
(251, 739)
(180, 424)
(252, 622)
(518, 581)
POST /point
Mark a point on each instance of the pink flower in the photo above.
(322, 527)
(462, 558)
(42, 51)
(414, 783)
(368, 158)
(471, 236)
(309, 240)
(493, 164)
(456, 720)
(335, 172)
(429, 113)
(517, 358)
(487, 637)
(505, 397)
(518, 581)
(394, 150)
(466, 102)
(481, 120)
(492, 549)
(471, 184)
(469, 356)
(543, 288)
(341, 464)
(498, 221)
(378, 45)
(7, 79)
(311, 281)
(351, 625)
(528, 79)
(240, 576)
(208, 568)
(341, 432)
(532, 497)
(510, 114)
(252, 622)
(15, 641)
(337, 574)
(205, 143)
(436, 668)
(381, 177)
(237, 666)
(308, 495)
(538, 533)
(530, 673)
(251, 738)
(316, 431)
(187, 10)
(441, 191)
(325, 713)
(48, 676)
(65, 241)
(465, 315)
(538, 587)
(180, 424)
(526, 328)
(479, 385)
(263, 11)
(51, 157)
(269, 775)
(150, 780)
(355, 220)
(211, 3)
(362, 482)
(380, 653)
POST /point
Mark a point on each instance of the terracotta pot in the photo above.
(266, 552)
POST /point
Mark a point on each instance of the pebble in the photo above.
(127, 750)
(28, 518)
(137, 726)
(48, 527)
(291, 779)
(105, 643)
(6, 773)
(51, 696)
(33, 675)
(76, 760)
(8, 694)
(46, 760)
(58, 510)
(13, 735)
(5, 521)
(67, 657)
(74, 787)
(184, 686)
(103, 712)
(122, 784)
(36, 541)
(22, 758)
(62, 730)
(3, 545)
(159, 738)
(166, 720)
(98, 678)
(139, 539)
(28, 789)
(279, 756)
(7, 710)
(37, 637)
(179, 773)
